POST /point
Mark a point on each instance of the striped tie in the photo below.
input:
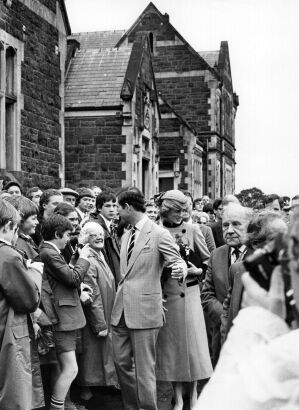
(132, 243)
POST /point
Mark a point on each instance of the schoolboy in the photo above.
(65, 283)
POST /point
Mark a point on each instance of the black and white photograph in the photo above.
(149, 205)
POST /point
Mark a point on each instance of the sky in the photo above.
(263, 38)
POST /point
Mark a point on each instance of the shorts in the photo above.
(65, 341)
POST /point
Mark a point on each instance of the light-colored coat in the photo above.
(139, 293)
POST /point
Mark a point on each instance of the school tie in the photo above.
(132, 243)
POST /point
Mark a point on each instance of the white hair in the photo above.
(87, 229)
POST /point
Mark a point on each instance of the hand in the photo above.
(179, 271)
(86, 288)
(193, 270)
(273, 300)
(37, 330)
(84, 252)
(85, 298)
(103, 333)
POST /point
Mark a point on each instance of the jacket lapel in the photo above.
(142, 239)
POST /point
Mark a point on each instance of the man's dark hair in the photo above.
(132, 196)
(217, 203)
(104, 197)
(268, 199)
(30, 191)
(208, 208)
(24, 206)
(45, 198)
(55, 224)
(64, 209)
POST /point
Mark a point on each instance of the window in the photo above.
(11, 56)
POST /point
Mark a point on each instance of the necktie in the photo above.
(131, 244)
(235, 255)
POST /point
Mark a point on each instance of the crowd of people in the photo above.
(99, 288)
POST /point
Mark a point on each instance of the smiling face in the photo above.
(86, 204)
(29, 225)
(96, 238)
(14, 191)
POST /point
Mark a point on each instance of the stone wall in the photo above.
(94, 151)
(40, 80)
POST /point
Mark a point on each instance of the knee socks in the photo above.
(56, 404)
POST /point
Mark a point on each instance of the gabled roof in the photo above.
(98, 39)
(165, 107)
(96, 77)
(211, 57)
(165, 20)
(65, 17)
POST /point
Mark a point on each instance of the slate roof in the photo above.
(211, 57)
(98, 39)
(95, 78)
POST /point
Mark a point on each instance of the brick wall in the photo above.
(40, 76)
(94, 151)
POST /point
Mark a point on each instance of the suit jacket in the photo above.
(139, 294)
(64, 282)
(217, 233)
(214, 291)
(231, 310)
(208, 235)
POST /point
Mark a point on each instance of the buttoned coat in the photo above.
(139, 293)
(64, 282)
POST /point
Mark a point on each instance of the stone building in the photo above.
(198, 86)
(32, 59)
(112, 114)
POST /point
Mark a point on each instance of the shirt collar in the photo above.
(107, 222)
(54, 246)
(241, 249)
(141, 223)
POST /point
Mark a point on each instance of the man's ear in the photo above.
(7, 227)
(57, 236)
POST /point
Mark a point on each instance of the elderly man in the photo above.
(234, 222)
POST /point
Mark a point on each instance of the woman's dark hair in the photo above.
(45, 198)
(64, 209)
(132, 196)
(104, 197)
(55, 224)
(24, 206)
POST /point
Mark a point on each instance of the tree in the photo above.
(252, 197)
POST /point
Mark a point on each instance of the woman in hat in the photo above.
(182, 346)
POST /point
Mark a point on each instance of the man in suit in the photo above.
(217, 225)
(215, 289)
(262, 229)
(137, 314)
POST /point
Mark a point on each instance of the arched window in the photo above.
(10, 71)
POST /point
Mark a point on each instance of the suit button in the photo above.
(182, 295)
